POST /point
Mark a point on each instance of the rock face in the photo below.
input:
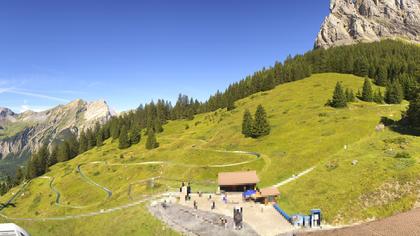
(22, 133)
(353, 21)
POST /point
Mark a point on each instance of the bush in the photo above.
(404, 155)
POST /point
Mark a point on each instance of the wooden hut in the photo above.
(237, 181)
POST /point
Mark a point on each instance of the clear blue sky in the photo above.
(129, 52)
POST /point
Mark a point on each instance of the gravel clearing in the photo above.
(195, 222)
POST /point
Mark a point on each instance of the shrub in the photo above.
(404, 155)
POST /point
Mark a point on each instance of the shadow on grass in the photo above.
(400, 126)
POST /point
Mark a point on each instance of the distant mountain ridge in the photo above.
(25, 132)
(354, 21)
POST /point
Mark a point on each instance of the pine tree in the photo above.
(394, 93)
(63, 152)
(31, 168)
(382, 76)
(339, 98)
(261, 125)
(135, 135)
(350, 95)
(230, 104)
(83, 142)
(413, 113)
(158, 126)
(367, 93)
(114, 128)
(41, 160)
(378, 97)
(99, 139)
(91, 138)
(73, 146)
(124, 142)
(52, 159)
(19, 175)
(247, 124)
(151, 141)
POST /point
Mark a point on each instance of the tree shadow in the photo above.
(400, 126)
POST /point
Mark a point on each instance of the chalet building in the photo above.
(237, 181)
(267, 195)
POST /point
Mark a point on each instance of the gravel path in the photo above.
(195, 222)
(294, 177)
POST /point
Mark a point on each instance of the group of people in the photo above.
(223, 221)
(187, 196)
(237, 213)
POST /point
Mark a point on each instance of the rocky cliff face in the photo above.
(22, 133)
(352, 21)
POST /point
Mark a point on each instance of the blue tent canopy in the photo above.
(249, 193)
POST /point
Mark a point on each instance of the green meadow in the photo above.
(356, 176)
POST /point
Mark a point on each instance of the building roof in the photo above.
(237, 178)
(270, 191)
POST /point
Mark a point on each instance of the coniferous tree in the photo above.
(394, 93)
(52, 159)
(230, 103)
(261, 125)
(135, 135)
(99, 138)
(124, 141)
(37, 164)
(63, 152)
(410, 86)
(73, 146)
(367, 93)
(247, 124)
(41, 160)
(350, 95)
(19, 175)
(31, 171)
(114, 128)
(378, 97)
(339, 98)
(413, 112)
(91, 138)
(151, 141)
(83, 142)
(381, 78)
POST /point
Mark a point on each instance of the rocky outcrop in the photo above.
(25, 132)
(353, 21)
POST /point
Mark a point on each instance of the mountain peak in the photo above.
(353, 21)
(6, 112)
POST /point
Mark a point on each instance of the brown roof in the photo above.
(237, 178)
(270, 191)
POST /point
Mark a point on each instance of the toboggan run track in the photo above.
(109, 192)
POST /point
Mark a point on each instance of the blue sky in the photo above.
(129, 52)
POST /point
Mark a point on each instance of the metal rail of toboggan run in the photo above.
(283, 213)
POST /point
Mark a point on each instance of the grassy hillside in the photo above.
(305, 133)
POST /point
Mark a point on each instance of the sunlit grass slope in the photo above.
(304, 133)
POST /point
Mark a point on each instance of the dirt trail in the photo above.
(294, 177)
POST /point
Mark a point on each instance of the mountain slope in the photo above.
(369, 20)
(305, 133)
(22, 133)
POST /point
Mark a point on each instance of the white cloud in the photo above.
(32, 94)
